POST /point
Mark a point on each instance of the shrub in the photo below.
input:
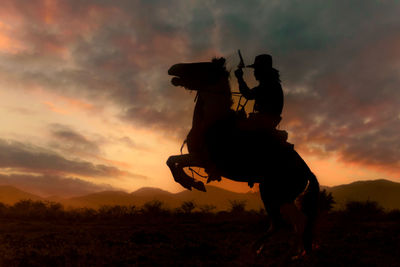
(363, 209)
(325, 201)
(207, 208)
(237, 206)
(188, 206)
(36, 209)
(3, 209)
(154, 207)
(116, 211)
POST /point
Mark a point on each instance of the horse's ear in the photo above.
(220, 61)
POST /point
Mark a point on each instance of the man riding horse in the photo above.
(268, 95)
(245, 149)
(268, 103)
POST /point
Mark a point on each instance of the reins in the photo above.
(239, 105)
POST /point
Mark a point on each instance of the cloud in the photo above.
(32, 159)
(132, 144)
(72, 141)
(116, 55)
(351, 108)
(338, 60)
(49, 185)
(339, 63)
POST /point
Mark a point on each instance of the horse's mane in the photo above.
(220, 75)
(221, 63)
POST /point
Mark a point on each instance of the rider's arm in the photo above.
(243, 88)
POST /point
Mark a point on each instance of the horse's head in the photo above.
(198, 76)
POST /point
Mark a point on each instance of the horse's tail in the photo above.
(310, 209)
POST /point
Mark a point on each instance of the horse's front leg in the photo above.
(176, 165)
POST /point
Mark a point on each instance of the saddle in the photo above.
(262, 128)
(230, 146)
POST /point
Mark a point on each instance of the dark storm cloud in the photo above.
(160, 119)
(352, 107)
(48, 185)
(120, 54)
(338, 61)
(72, 141)
(27, 158)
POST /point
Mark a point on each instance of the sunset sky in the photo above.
(87, 105)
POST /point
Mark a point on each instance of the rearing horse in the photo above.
(280, 171)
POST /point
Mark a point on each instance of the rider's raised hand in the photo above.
(239, 73)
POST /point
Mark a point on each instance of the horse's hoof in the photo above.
(260, 250)
(299, 256)
(184, 184)
(199, 186)
(188, 188)
(212, 177)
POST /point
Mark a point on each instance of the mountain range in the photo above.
(386, 193)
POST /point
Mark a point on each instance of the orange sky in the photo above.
(87, 105)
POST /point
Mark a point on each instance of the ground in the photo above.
(192, 239)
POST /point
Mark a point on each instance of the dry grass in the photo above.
(32, 234)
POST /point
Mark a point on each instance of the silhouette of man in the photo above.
(268, 95)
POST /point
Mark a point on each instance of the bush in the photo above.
(116, 211)
(207, 208)
(3, 209)
(36, 209)
(363, 209)
(325, 201)
(237, 206)
(188, 206)
(154, 207)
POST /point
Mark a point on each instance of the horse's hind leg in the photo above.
(298, 220)
(272, 208)
(282, 216)
(274, 227)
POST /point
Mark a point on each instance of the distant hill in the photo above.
(146, 191)
(221, 198)
(10, 195)
(215, 196)
(386, 193)
(99, 199)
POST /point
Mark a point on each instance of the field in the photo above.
(40, 234)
